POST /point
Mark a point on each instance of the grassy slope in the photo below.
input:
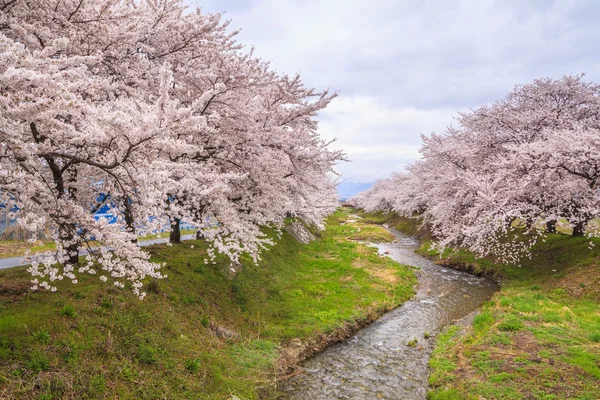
(95, 341)
(409, 226)
(537, 338)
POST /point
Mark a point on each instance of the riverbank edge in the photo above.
(412, 227)
(295, 351)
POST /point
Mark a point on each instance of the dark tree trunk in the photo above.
(73, 254)
(199, 235)
(551, 226)
(129, 220)
(579, 228)
(175, 236)
(67, 234)
(529, 223)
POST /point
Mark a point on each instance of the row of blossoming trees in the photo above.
(510, 170)
(159, 113)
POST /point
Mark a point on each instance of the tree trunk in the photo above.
(129, 220)
(529, 223)
(551, 226)
(199, 235)
(73, 252)
(175, 236)
(579, 228)
(67, 233)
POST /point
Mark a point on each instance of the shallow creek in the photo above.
(378, 362)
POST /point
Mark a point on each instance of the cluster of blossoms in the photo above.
(157, 112)
(502, 179)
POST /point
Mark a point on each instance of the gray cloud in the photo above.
(406, 67)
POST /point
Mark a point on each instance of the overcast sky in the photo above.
(403, 68)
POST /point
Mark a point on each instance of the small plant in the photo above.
(147, 354)
(412, 343)
(188, 299)
(204, 321)
(126, 372)
(38, 362)
(192, 365)
(427, 335)
(510, 324)
(500, 339)
(106, 302)
(42, 336)
(68, 350)
(97, 385)
(153, 286)
(483, 321)
(17, 372)
(595, 337)
(329, 315)
(68, 311)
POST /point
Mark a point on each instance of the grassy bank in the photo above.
(409, 226)
(537, 338)
(202, 333)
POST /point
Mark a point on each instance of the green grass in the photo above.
(409, 226)
(367, 232)
(536, 338)
(92, 340)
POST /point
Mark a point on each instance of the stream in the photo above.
(378, 362)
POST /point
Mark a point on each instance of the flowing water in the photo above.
(378, 362)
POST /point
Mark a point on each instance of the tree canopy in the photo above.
(521, 163)
(157, 111)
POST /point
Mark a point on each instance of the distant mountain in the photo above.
(348, 189)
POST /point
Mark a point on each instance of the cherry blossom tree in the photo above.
(157, 112)
(508, 172)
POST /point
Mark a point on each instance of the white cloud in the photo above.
(405, 67)
(378, 139)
